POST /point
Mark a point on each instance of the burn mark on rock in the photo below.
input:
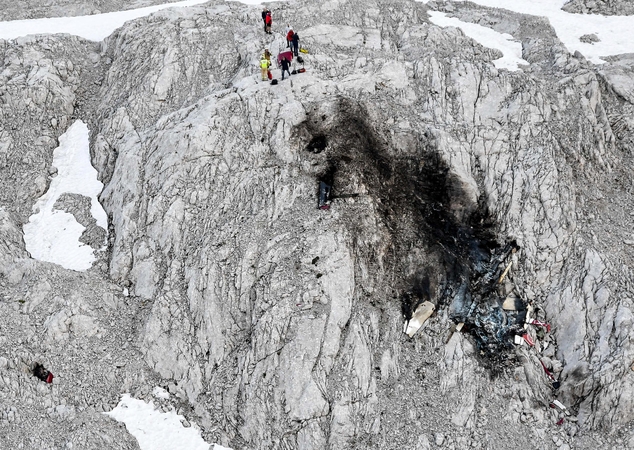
(317, 144)
(444, 245)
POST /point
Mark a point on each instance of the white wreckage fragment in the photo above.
(512, 304)
(559, 405)
(420, 316)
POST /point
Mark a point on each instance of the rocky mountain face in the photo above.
(277, 325)
(37, 9)
(605, 7)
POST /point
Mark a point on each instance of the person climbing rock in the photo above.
(295, 41)
(285, 63)
(268, 21)
(289, 36)
(264, 18)
(264, 67)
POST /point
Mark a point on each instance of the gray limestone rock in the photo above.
(604, 7)
(275, 324)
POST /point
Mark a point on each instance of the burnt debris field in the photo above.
(425, 207)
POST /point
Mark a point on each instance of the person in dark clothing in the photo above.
(295, 43)
(285, 66)
(264, 18)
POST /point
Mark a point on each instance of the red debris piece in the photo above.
(540, 324)
(560, 421)
(529, 340)
(40, 372)
(550, 375)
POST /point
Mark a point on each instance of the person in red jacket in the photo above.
(269, 21)
(289, 36)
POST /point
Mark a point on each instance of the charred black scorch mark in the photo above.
(428, 213)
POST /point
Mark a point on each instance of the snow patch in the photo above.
(615, 33)
(159, 392)
(95, 27)
(156, 430)
(52, 235)
(488, 37)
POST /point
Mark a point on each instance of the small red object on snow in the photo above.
(560, 421)
(529, 339)
(540, 324)
(49, 378)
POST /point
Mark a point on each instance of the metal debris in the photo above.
(512, 304)
(420, 316)
(539, 324)
(529, 340)
(40, 372)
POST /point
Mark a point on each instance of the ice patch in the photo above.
(52, 235)
(616, 33)
(503, 42)
(156, 430)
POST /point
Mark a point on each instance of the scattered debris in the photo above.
(478, 301)
(548, 373)
(40, 372)
(560, 421)
(518, 340)
(529, 340)
(422, 313)
(558, 404)
(508, 267)
(512, 304)
(454, 329)
(540, 324)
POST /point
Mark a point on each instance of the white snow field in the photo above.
(156, 430)
(52, 235)
(95, 27)
(488, 37)
(616, 33)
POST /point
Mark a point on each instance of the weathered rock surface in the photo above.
(36, 9)
(277, 324)
(605, 7)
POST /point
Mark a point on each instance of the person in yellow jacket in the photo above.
(264, 67)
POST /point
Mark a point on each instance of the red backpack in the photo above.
(268, 19)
